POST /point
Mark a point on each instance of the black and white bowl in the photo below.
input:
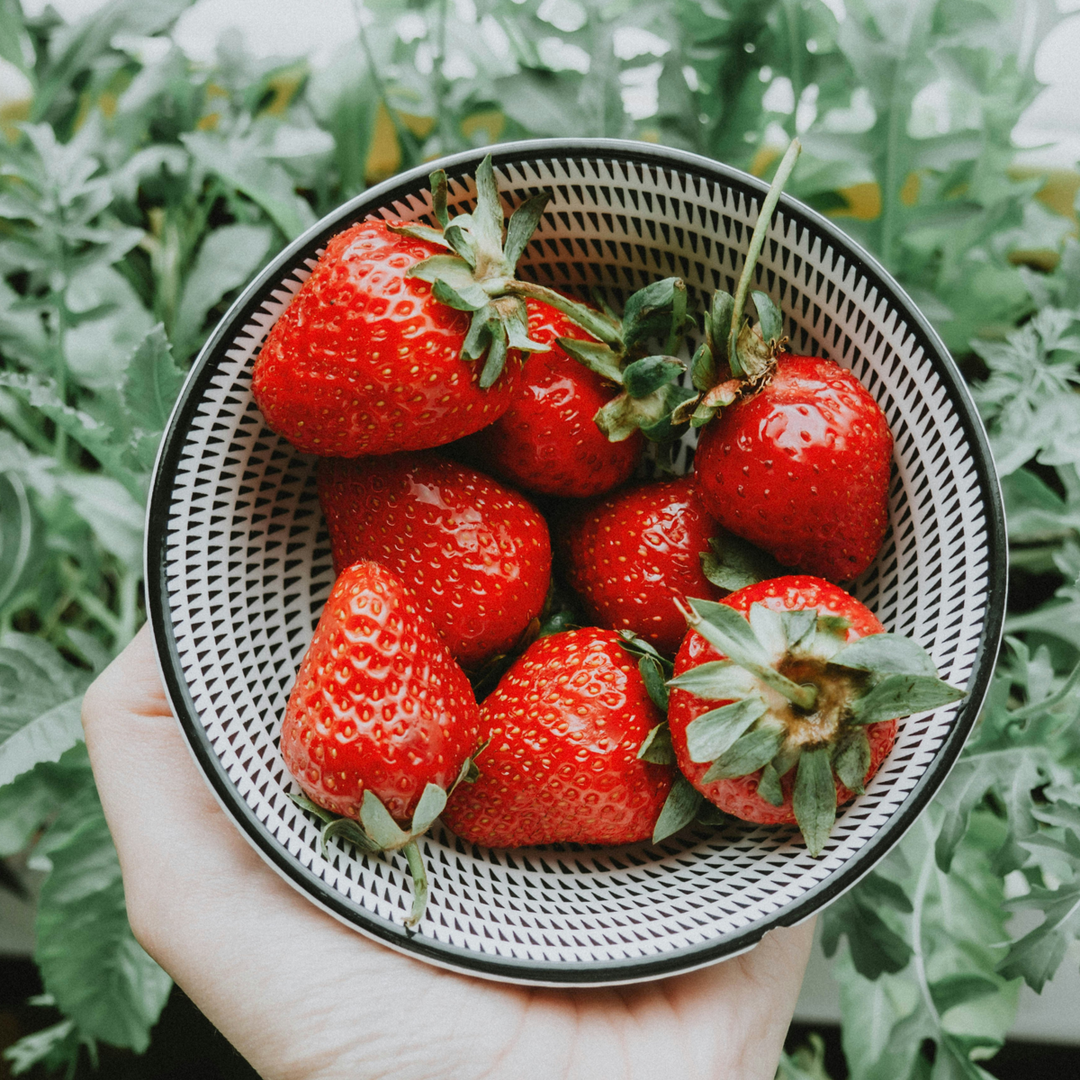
(238, 568)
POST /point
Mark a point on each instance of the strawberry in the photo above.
(366, 360)
(800, 467)
(548, 441)
(560, 765)
(474, 555)
(785, 701)
(795, 454)
(631, 555)
(381, 720)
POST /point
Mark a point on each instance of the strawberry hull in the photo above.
(364, 360)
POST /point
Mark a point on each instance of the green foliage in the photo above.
(145, 190)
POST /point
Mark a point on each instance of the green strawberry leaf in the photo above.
(813, 798)
(647, 375)
(769, 787)
(379, 825)
(652, 675)
(770, 320)
(431, 804)
(522, 225)
(751, 752)
(733, 563)
(657, 747)
(851, 760)
(712, 734)
(716, 680)
(886, 654)
(902, 695)
(679, 810)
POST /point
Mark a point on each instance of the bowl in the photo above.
(238, 568)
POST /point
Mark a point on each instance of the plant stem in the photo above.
(757, 241)
(418, 872)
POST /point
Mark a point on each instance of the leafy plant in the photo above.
(142, 190)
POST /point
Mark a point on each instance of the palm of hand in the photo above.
(303, 997)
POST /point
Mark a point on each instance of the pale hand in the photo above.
(304, 997)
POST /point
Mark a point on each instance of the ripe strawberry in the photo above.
(366, 360)
(798, 459)
(381, 720)
(560, 765)
(474, 555)
(630, 555)
(800, 467)
(548, 440)
(786, 697)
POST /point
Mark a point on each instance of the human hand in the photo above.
(304, 997)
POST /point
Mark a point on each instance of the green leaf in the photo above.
(523, 222)
(227, 259)
(712, 734)
(595, 355)
(876, 948)
(902, 695)
(657, 746)
(431, 804)
(652, 675)
(886, 653)
(770, 320)
(1038, 954)
(733, 563)
(90, 963)
(851, 760)
(646, 376)
(952, 990)
(813, 798)
(751, 752)
(679, 810)
(379, 825)
(716, 680)
(769, 786)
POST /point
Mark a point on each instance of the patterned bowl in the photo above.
(238, 568)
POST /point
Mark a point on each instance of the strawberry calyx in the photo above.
(732, 563)
(798, 696)
(477, 274)
(377, 831)
(737, 356)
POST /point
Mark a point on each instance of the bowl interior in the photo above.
(239, 567)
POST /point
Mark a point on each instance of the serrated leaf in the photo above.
(712, 734)
(44, 738)
(679, 810)
(1038, 954)
(875, 947)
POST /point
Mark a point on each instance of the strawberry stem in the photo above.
(418, 873)
(757, 241)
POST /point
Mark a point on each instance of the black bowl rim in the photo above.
(541, 972)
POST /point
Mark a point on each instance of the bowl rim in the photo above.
(544, 972)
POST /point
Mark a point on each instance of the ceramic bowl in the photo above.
(238, 568)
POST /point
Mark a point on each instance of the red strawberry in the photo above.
(632, 554)
(474, 555)
(548, 441)
(365, 360)
(797, 461)
(786, 697)
(560, 765)
(381, 720)
(800, 467)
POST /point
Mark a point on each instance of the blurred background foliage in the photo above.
(140, 189)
